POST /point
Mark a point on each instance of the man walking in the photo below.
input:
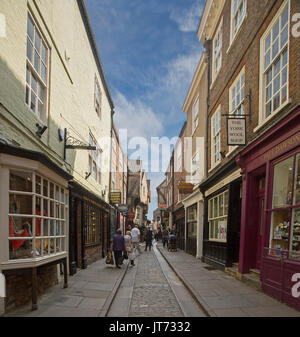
(118, 246)
(149, 238)
(135, 238)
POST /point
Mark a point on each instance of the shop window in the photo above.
(217, 217)
(274, 61)
(36, 71)
(285, 216)
(192, 221)
(33, 230)
(93, 222)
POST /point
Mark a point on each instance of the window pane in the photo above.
(27, 94)
(20, 204)
(283, 94)
(43, 72)
(216, 208)
(30, 28)
(40, 109)
(29, 50)
(276, 101)
(284, 58)
(33, 83)
(37, 42)
(282, 184)
(284, 36)
(275, 31)
(38, 184)
(51, 190)
(20, 181)
(297, 181)
(45, 188)
(44, 53)
(284, 76)
(279, 230)
(275, 49)
(268, 42)
(284, 17)
(268, 108)
(36, 62)
(295, 231)
(221, 208)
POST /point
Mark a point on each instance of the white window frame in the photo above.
(179, 156)
(217, 217)
(59, 218)
(95, 159)
(216, 137)
(195, 114)
(217, 51)
(233, 16)
(195, 165)
(32, 72)
(237, 93)
(262, 92)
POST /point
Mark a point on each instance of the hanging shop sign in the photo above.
(131, 216)
(162, 207)
(185, 188)
(236, 131)
(115, 198)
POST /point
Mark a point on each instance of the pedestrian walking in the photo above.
(118, 246)
(165, 235)
(135, 238)
(129, 248)
(148, 238)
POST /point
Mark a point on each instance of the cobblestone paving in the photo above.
(152, 295)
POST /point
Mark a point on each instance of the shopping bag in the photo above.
(125, 256)
(112, 260)
(108, 258)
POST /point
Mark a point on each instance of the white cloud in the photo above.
(188, 19)
(135, 116)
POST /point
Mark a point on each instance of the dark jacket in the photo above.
(118, 242)
(149, 235)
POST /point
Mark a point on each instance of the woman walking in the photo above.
(149, 238)
(129, 248)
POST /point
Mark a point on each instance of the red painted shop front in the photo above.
(270, 224)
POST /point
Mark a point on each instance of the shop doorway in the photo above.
(260, 221)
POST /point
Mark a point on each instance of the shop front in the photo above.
(193, 205)
(222, 216)
(89, 227)
(270, 227)
(34, 218)
(179, 221)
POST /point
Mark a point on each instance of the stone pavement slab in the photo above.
(220, 294)
(90, 294)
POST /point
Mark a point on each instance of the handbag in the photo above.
(108, 258)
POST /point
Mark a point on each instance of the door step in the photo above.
(255, 272)
(252, 279)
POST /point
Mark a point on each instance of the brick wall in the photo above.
(93, 254)
(19, 285)
(245, 51)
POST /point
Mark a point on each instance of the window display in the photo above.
(31, 227)
(192, 221)
(285, 217)
(93, 223)
(217, 217)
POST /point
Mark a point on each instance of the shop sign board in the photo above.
(115, 198)
(185, 188)
(162, 207)
(123, 208)
(236, 131)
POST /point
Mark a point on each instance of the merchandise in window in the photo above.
(217, 217)
(33, 232)
(286, 208)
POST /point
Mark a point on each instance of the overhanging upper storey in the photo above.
(210, 18)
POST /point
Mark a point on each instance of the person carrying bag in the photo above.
(129, 249)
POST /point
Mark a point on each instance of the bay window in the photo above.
(285, 209)
(275, 64)
(38, 210)
(217, 217)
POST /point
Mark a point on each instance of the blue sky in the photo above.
(150, 51)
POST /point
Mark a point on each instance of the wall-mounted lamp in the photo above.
(40, 129)
(87, 174)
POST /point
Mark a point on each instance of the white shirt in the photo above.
(135, 232)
